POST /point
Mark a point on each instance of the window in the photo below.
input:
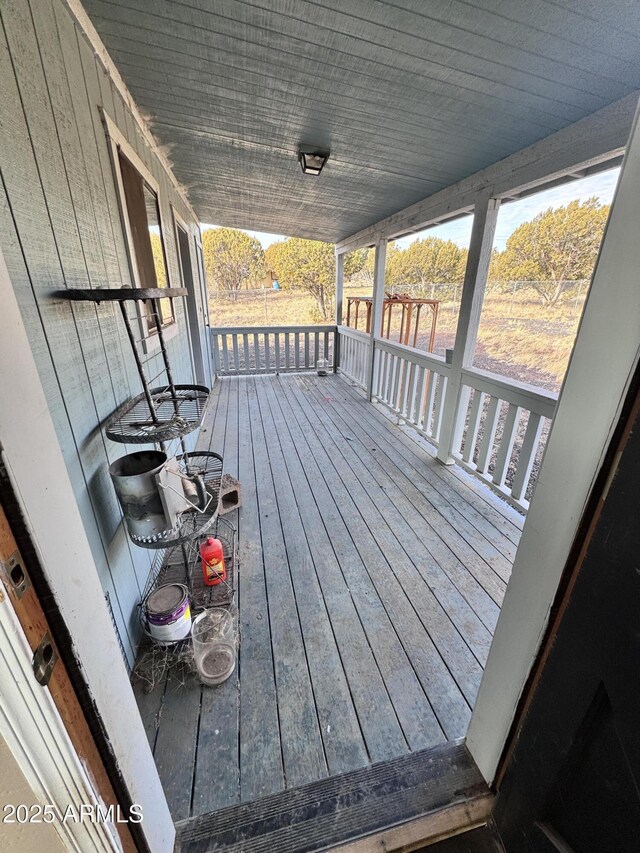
(145, 231)
(145, 238)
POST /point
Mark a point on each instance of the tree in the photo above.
(559, 246)
(310, 265)
(432, 261)
(391, 265)
(231, 258)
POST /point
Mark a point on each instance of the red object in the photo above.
(213, 568)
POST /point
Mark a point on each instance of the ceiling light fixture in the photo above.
(311, 159)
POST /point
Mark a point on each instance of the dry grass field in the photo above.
(518, 338)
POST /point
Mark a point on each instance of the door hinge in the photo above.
(44, 660)
(16, 575)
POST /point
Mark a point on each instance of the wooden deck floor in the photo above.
(370, 582)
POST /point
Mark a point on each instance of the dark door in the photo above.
(572, 779)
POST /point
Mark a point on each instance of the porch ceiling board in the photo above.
(410, 98)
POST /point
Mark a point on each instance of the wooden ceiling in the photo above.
(410, 96)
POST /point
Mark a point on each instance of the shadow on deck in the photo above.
(370, 582)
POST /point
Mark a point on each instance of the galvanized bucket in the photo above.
(134, 478)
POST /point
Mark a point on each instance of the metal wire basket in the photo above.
(174, 415)
(195, 522)
(182, 565)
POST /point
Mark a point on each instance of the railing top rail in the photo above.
(520, 393)
(417, 356)
(260, 330)
(357, 334)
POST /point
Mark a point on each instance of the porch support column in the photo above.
(339, 301)
(475, 279)
(377, 303)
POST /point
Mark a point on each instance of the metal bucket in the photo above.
(134, 478)
(168, 613)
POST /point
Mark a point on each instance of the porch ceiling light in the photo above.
(312, 159)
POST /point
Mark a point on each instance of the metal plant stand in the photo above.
(159, 415)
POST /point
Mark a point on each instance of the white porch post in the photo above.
(339, 301)
(376, 308)
(475, 279)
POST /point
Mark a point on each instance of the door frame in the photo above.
(35, 733)
(197, 329)
(39, 479)
(591, 400)
(204, 296)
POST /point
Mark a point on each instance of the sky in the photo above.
(510, 216)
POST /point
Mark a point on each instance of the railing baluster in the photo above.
(473, 426)
(256, 353)
(245, 347)
(316, 348)
(267, 353)
(236, 354)
(527, 456)
(215, 343)
(506, 444)
(378, 371)
(408, 370)
(418, 401)
(277, 347)
(392, 381)
(326, 344)
(287, 351)
(437, 414)
(397, 389)
(387, 378)
(225, 354)
(488, 435)
(296, 354)
(306, 350)
(432, 385)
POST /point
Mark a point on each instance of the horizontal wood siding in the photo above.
(60, 228)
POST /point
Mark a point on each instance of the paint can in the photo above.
(168, 613)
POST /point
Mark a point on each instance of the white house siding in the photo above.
(60, 228)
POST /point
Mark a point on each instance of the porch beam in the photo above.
(594, 141)
(339, 303)
(475, 280)
(377, 302)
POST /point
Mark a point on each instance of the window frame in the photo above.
(118, 144)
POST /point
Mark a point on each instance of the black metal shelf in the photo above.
(120, 294)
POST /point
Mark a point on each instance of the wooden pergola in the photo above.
(407, 305)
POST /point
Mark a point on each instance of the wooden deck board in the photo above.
(301, 740)
(216, 774)
(343, 743)
(351, 599)
(368, 586)
(261, 769)
(426, 529)
(387, 581)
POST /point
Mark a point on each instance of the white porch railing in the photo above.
(411, 383)
(499, 423)
(270, 349)
(354, 359)
(498, 430)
